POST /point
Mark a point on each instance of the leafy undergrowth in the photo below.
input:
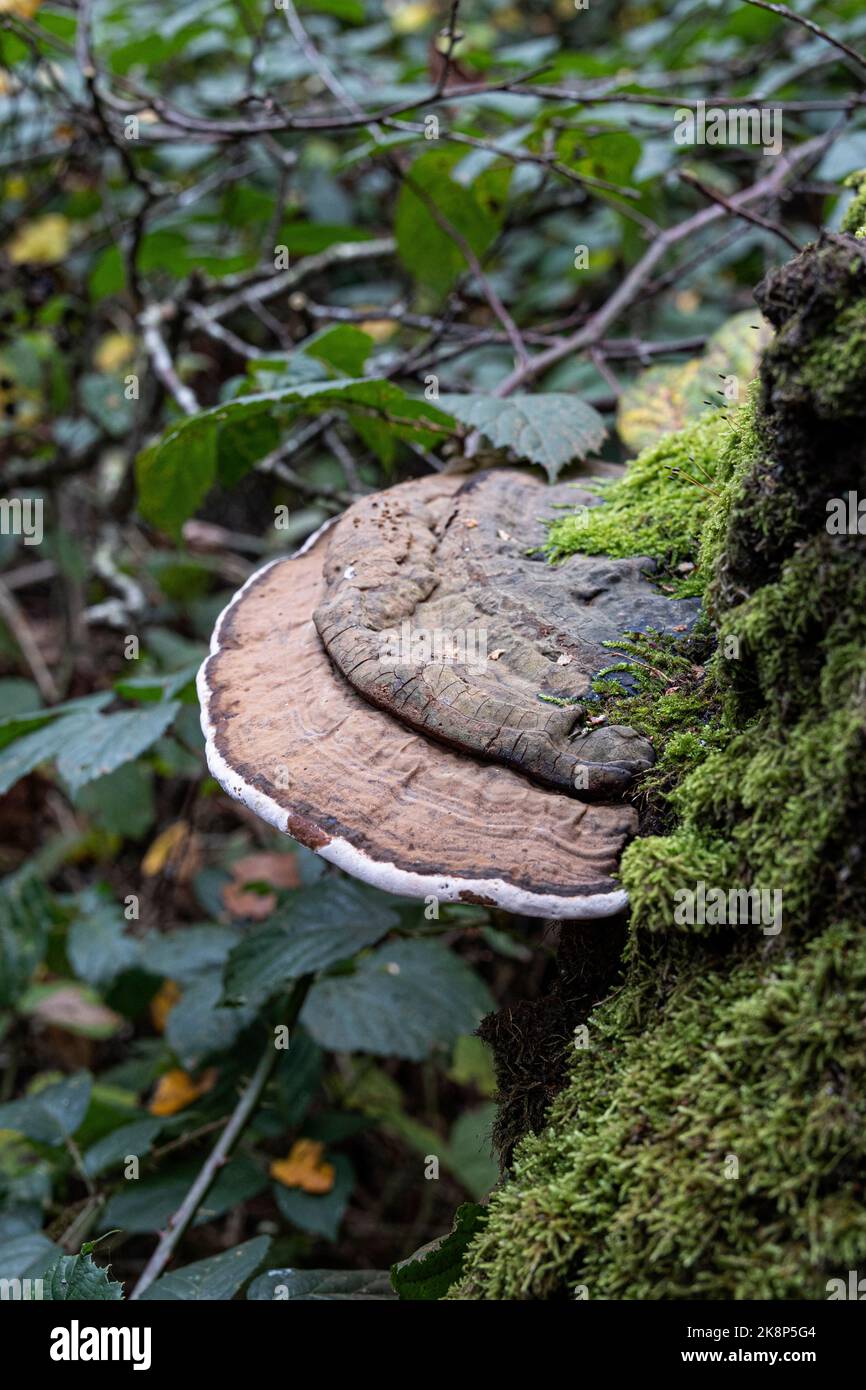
(229, 308)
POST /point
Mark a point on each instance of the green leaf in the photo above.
(176, 474)
(122, 802)
(308, 1285)
(18, 697)
(97, 943)
(189, 953)
(429, 1274)
(240, 445)
(149, 1204)
(107, 741)
(469, 1155)
(216, 1279)
(114, 1148)
(25, 922)
(429, 253)
(297, 1076)
(108, 275)
(550, 429)
(316, 928)
(198, 1025)
(78, 1279)
(151, 689)
(174, 478)
(400, 1001)
(86, 744)
(103, 398)
(25, 1256)
(350, 10)
(342, 346)
(318, 1214)
(51, 1115)
(16, 725)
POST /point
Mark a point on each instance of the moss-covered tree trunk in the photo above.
(710, 1141)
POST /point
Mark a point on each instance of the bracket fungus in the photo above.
(408, 696)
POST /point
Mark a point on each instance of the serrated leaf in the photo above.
(109, 740)
(78, 1279)
(216, 1279)
(85, 744)
(316, 928)
(308, 1285)
(53, 1114)
(16, 725)
(551, 429)
(429, 1274)
(400, 1001)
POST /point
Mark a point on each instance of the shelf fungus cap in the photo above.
(321, 752)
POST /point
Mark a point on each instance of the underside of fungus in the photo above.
(407, 696)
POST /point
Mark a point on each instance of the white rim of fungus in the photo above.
(341, 852)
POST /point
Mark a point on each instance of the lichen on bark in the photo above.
(710, 1141)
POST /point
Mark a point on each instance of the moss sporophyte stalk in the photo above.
(710, 1140)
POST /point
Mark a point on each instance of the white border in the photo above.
(382, 874)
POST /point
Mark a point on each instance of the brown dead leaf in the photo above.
(279, 870)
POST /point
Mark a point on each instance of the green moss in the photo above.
(729, 1043)
(854, 220)
(655, 509)
(695, 1073)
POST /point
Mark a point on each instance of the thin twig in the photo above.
(218, 1156)
(746, 213)
(14, 618)
(812, 27)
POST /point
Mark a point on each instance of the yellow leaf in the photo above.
(113, 351)
(164, 848)
(44, 241)
(177, 1089)
(305, 1168)
(409, 18)
(24, 9)
(380, 330)
(163, 1002)
(16, 186)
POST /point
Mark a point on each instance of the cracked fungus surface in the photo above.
(455, 569)
(291, 737)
